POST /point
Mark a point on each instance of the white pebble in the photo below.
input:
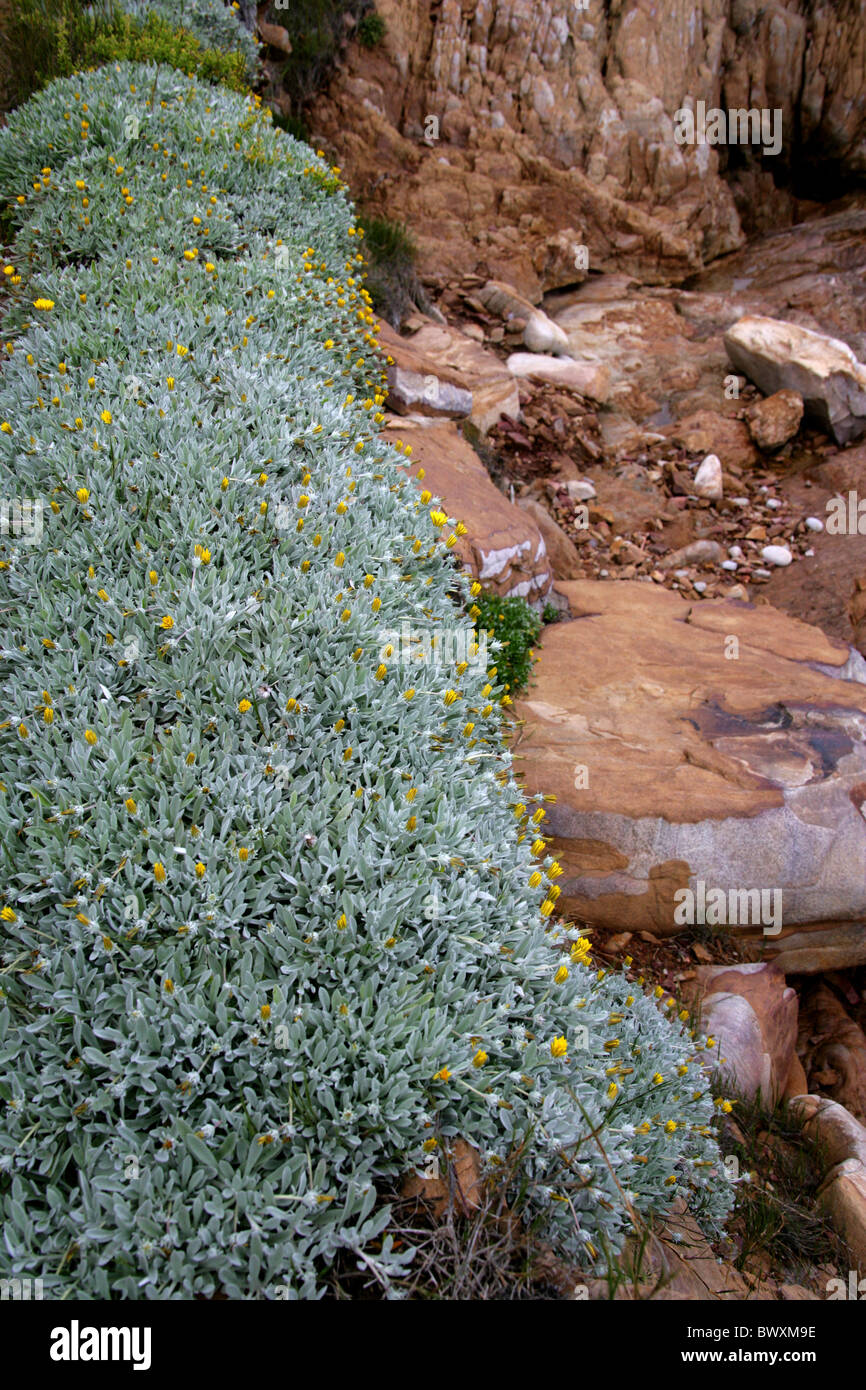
(814, 523)
(776, 555)
(735, 552)
(700, 585)
(774, 503)
(761, 574)
(708, 479)
(729, 565)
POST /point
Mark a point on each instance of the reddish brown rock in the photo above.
(561, 551)
(833, 1049)
(772, 422)
(540, 334)
(273, 34)
(586, 378)
(797, 1083)
(841, 1144)
(502, 136)
(823, 371)
(708, 431)
(433, 370)
(857, 613)
(843, 1197)
(503, 546)
(752, 1015)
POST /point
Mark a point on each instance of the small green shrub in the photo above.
(388, 241)
(49, 39)
(777, 1215)
(54, 38)
(371, 30)
(391, 279)
(292, 125)
(516, 625)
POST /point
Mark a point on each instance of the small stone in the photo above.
(730, 565)
(708, 479)
(774, 421)
(735, 552)
(702, 552)
(774, 503)
(776, 555)
(814, 523)
(700, 586)
(740, 501)
(580, 489)
(761, 574)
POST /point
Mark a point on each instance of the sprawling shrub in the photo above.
(275, 922)
(213, 23)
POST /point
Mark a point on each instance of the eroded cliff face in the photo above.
(556, 129)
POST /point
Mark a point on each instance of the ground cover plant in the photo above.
(276, 922)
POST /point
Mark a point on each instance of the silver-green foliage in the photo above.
(205, 1079)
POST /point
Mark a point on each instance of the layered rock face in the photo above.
(512, 133)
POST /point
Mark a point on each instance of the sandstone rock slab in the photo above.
(843, 1197)
(587, 378)
(674, 764)
(562, 552)
(412, 392)
(503, 546)
(540, 333)
(443, 357)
